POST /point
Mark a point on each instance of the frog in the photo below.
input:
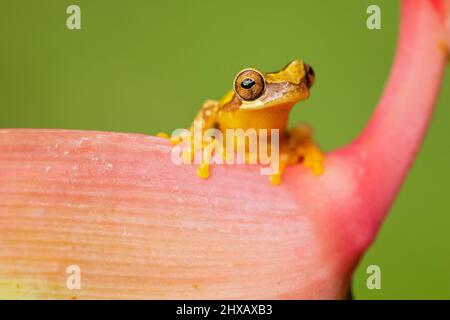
(258, 101)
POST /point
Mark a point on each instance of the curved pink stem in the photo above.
(139, 226)
(386, 148)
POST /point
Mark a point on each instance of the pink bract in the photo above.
(140, 227)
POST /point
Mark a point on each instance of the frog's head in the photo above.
(255, 90)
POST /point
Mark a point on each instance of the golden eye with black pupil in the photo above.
(249, 84)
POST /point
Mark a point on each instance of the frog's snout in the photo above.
(310, 75)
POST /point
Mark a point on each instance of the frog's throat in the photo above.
(266, 118)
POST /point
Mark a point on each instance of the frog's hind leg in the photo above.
(299, 147)
(312, 157)
(305, 149)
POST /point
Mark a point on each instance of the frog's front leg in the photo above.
(299, 147)
(204, 120)
(207, 117)
(207, 114)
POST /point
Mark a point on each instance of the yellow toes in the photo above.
(163, 135)
(203, 170)
(173, 139)
(275, 179)
(313, 158)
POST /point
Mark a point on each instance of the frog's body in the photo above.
(263, 101)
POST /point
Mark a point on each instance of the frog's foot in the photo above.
(207, 153)
(175, 139)
(302, 146)
(312, 157)
(163, 135)
(275, 178)
(288, 157)
(203, 170)
(189, 147)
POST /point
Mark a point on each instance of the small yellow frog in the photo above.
(263, 101)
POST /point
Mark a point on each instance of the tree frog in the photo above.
(263, 101)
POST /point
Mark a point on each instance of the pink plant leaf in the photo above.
(139, 226)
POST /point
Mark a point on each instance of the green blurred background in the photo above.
(147, 66)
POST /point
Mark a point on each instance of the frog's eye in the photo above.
(249, 84)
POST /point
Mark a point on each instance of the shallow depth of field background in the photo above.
(147, 66)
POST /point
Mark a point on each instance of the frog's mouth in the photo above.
(279, 94)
